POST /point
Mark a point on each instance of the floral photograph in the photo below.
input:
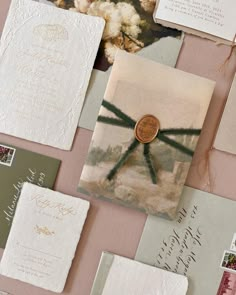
(129, 25)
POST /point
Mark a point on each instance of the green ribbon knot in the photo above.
(126, 121)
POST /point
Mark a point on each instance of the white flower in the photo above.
(110, 51)
(148, 5)
(130, 19)
(111, 14)
(82, 5)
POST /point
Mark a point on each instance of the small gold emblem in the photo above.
(146, 129)
(44, 231)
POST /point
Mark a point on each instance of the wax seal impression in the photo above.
(146, 129)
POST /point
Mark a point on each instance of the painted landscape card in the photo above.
(146, 176)
(46, 59)
(118, 275)
(45, 233)
(194, 243)
(16, 167)
(212, 19)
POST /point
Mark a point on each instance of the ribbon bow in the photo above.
(125, 121)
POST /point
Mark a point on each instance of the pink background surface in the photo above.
(117, 229)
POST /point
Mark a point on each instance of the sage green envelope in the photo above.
(16, 167)
(193, 244)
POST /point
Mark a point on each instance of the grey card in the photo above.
(194, 243)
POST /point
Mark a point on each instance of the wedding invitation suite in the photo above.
(145, 135)
(225, 140)
(213, 19)
(45, 232)
(195, 244)
(117, 275)
(46, 58)
(16, 167)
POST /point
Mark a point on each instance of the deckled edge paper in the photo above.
(46, 208)
(53, 127)
(188, 30)
(107, 262)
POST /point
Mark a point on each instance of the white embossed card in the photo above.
(44, 236)
(46, 58)
(118, 275)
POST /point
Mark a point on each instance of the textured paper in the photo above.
(183, 103)
(225, 140)
(192, 244)
(25, 166)
(213, 19)
(118, 275)
(165, 51)
(46, 58)
(45, 232)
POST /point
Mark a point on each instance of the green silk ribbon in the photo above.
(125, 121)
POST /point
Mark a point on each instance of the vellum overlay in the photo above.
(45, 232)
(46, 58)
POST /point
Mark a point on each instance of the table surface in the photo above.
(117, 229)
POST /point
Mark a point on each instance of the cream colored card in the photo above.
(225, 140)
(45, 232)
(46, 58)
(214, 19)
(119, 275)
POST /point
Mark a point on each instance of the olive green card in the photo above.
(16, 167)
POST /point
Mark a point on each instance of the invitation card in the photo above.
(198, 243)
(213, 19)
(46, 58)
(16, 167)
(118, 275)
(145, 135)
(45, 232)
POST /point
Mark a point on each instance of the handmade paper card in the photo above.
(118, 275)
(213, 19)
(46, 58)
(16, 167)
(194, 243)
(224, 140)
(145, 135)
(45, 232)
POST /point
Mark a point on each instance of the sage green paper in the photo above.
(26, 167)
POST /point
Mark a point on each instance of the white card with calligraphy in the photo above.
(193, 244)
(46, 59)
(44, 236)
(216, 18)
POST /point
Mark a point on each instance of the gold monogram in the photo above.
(44, 231)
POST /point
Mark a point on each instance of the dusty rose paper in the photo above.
(115, 228)
(225, 138)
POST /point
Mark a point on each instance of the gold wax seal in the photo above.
(146, 129)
